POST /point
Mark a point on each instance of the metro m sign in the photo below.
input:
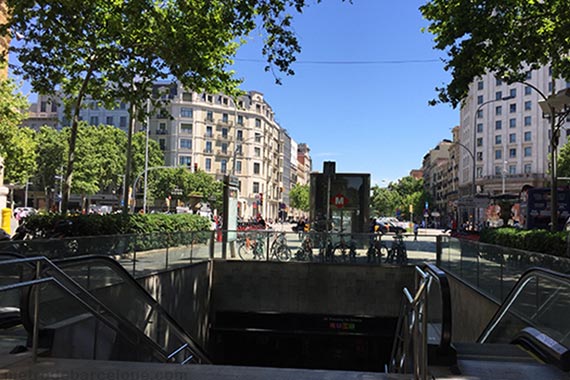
(339, 200)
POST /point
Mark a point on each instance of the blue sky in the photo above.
(369, 118)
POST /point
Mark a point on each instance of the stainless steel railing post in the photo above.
(36, 328)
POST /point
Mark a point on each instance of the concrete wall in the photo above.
(471, 311)
(185, 293)
(309, 288)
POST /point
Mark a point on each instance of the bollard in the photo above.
(6, 220)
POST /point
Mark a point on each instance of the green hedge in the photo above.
(553, 243)
(42, 225)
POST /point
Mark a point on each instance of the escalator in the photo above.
(90, 307)
(527, 338)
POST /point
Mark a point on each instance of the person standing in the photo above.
(416, 228)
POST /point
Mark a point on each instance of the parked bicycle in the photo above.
(280, 249)
(377, 249)
(398, 253)
(346, 251)
(251, 247)
(305, 252)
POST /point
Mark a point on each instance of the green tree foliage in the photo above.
(114, 50)
(17, 145)
(563, 163)
(181, 184)
(51, 147)
(299, 196)
(399, 196)
(508, 38)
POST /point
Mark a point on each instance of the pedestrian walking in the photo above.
(416, 228)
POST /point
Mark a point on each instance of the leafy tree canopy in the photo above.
(299, 196)
(17, 145)
(506, 37)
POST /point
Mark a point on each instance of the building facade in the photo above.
(435, 167)
(503, 125)
(210, 132)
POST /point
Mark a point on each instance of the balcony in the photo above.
(223, 122)
(208, 135)
(220, 152)
(161, 132)
(208, 151)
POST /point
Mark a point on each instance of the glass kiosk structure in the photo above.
(339, 200)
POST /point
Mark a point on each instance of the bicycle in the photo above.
(377, 249)
(346, 250)
(305, 252)
(279, 248)
(251, 248)
(398, 252)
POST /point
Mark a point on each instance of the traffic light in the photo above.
(261, 199)
(195, 167)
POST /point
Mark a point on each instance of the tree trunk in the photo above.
(129, 160)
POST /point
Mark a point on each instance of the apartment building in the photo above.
(435, 167)
(304, 164)
(503, 125)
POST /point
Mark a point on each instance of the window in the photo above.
(512, 169)
(208, 164)
(43, 106)
(498, 95)
(512, 108)
(53, 107)
(479, 172)
(94, 120)
(225, 117)
(480, 99)
(479, 141)
(550, 71)
(527, 136)
(498, 154)
(185, 161)
(240, 120)
(185, 144)
(513, 92)
(224, 148)
(187, 96)
(240, 135)
(479, 114)
(123, 105)
(498, 110)
(209, 99)
(512, 123)
(256, 187)
(225, 133)
(257, 151)
(209, 116)
(256, 168)
(480, 85)
(527, 90)
(238, 167)
(527, 121)
(109, 120)
(527, 168)
(549, 87)
(513, 138)
(528, 151)
(527, 105)
(498, 170)
(224, 166)
(498, 140)
(162, 144)
(498, 82)
(185, 112)
(512, 153)
(257, 137)
(480, 128)
(186, 128)
(209, 131)
(498, 125)
(208, 147)
(258, 123)
(529, 75)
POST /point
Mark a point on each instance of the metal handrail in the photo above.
(414, 313)
(526, 277)
(155, 305)
(38, 280)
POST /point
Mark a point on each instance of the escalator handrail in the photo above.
(57, 279)
(124, 274)
(527, 276)
(446, 314)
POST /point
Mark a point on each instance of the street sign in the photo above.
(339, 200)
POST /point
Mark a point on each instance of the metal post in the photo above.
(146, 155)
(438, 250)
(36, 328)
